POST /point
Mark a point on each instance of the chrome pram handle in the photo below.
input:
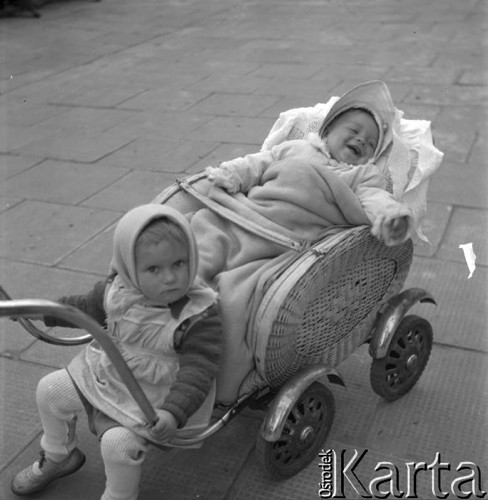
(44, 335)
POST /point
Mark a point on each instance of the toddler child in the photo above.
(166, 326)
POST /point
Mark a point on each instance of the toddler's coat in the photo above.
(172, 351)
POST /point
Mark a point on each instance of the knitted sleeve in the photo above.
(200, 352)
(90, 303)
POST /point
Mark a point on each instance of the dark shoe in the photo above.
(43, 471)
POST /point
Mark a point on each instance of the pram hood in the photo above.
(374, 97)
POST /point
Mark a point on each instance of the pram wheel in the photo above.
(408, 353)
(306, 429)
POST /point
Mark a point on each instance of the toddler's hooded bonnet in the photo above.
(374, 97)
(130, 227)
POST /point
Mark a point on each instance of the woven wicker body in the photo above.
(324, 306)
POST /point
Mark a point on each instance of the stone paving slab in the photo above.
(136, 188)
(165, 99)
(158, 125)
(473, 76)
(97, 94)
(470, 181)
(8, 203)
(422, 75)
(14, 339)
(89, 146)
(54, 232)
(94, 256)
(236, 129)
(443, 94)
(159, 155)
(222, 83)
(461, 315)
(29, 280)
(421, 111)
(17, 136)
(458, 142)
(79, 181)
(349, 71)
(84, 120)
(235, 104)
(13, 165)
(18, 392)
(19, 113)
(478, 152)
(291, 89)
(467, 225)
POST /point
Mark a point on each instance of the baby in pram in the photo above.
(302, 187)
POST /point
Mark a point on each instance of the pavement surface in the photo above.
(104, 104)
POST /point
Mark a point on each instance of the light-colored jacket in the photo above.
(145, 336)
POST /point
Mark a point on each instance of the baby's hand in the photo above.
(165, 427)
(392, 231)
(222, 178)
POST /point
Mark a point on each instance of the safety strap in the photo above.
(243, 222)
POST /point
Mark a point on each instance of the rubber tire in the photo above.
(391, 377)
(314, 410)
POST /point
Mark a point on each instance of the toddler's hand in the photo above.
(164, 429)
(392, 231)
(222, 178)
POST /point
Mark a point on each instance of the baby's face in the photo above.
(352, 137)
(162, 271)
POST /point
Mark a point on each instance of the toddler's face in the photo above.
(162, 271)
(352, 137)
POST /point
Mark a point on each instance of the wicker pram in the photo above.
(318, 306)
(320, 303)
